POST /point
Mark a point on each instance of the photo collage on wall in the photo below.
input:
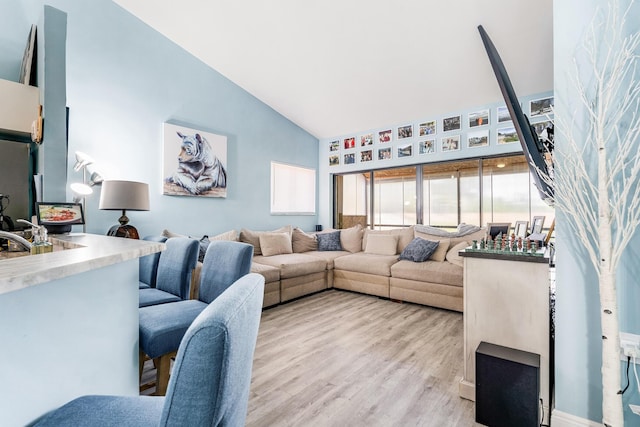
(449, 134)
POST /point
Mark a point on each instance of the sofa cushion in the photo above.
(253, 237)
(169, 234)
(293, 265)
(382, 244)
(275, 244)
(328, 256)
(231, 235)
(428, 271)
(303, 242)
(443, 247)
(270, 273)
(361, 262)
(351, 238)
(329, 241)
(405, 236)
(419, 250)
(452, 255)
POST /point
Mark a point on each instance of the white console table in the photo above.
(506, 302)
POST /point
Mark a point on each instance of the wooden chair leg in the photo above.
(162, 373)
(141, 357)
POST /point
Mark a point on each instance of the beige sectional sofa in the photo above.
(294, 265)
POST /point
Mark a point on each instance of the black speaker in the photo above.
(507, 386)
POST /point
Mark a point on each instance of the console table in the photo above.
(506, 302)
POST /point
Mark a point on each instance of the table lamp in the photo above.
(124, 195)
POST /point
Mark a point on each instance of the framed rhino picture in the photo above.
(194, 162)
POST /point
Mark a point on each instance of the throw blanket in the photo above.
(462, 230)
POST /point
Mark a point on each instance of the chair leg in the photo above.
(163, 367)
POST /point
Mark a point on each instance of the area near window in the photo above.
(293, 190)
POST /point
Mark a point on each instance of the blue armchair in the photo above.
(148, 265)
(173, 276)
(212, 372)
(163, 326)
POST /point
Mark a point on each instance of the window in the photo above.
(394, 197)
(293, 190)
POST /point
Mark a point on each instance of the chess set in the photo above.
(507, 245)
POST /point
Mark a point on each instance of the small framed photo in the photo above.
(350, 143)
(521, 229)
(479, 118)
(334, 160)
(428, 128)
(366, 156)
(385, 136)
(366, 140)
(478, 138)
(451, 123)
(540, 107)
(384, 153)
(426, 147)
(503, 114)
(405, 150)
(334, 146)
(451, 143)
(536, 224)
(349, 158)
(405, 132)
(507, 136)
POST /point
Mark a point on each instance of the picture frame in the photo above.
(541, 107)
(450, 143)
(405, 150)
(451, 123)
(183, 147)
(366, 156)
(384, 153)
(334, 160)
(427, 146)
(507, 136)
(349, 158)
(521, 229)
(366, 140)
(536, 224)
(385, 136)
(478, 118)
(350, 143)
(334, 146)
(503, 114)
(405, 132)
(495, 228)
(428, 128)
(478, 138)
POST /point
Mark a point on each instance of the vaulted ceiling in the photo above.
(343, 66)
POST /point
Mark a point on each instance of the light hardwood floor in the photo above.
(344, 359)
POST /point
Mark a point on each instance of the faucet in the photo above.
(15, 238)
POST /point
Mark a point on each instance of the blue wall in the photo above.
(123, 81)
(578, 343)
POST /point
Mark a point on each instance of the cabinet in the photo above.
(19, 107)
(506, 302)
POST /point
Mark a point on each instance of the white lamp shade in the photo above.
(124, 195)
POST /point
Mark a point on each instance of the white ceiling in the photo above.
(343, 66)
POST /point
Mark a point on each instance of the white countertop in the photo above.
(83, 252)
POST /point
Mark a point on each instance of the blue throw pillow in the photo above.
(419, 250)
(329, 241)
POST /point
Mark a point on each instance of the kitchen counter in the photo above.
(69, 324)
(83, 252)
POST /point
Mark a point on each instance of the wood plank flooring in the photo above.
(344, 359)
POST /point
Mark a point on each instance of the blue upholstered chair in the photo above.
(173, 276)
(212, 372)
(148, 265)
(163, 326)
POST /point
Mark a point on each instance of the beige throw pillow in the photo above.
(253, 237)
(381, 244)
(452, 255)
(303, 242)
(351, 238)
(169, 234)
(440, 253)
(275, 244)
(230, 235)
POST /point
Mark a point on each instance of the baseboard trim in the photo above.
(562, 419)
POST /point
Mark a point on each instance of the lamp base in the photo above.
(127, 231)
